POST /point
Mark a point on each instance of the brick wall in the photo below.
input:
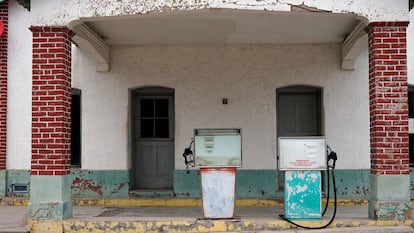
(388, 98)
(4, 14)
(51, 100)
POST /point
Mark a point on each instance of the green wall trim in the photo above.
(351, 183)
(380, 187)
(249, 183)
(50, 197)
(187, 184)
(263, 184)
(47, 189)
(3, 183)
(100, 183)
(19, 177)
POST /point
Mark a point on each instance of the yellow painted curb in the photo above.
(14, 201)
(191, 226)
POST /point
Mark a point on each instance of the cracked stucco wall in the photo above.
(61, 12)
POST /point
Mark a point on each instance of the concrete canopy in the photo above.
(218, 26)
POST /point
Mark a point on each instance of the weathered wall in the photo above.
(60, 12)
(201, 76)
(19, 110)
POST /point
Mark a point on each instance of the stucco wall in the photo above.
(19, 100)
(202, 75)
(60, 12)
(247, 75)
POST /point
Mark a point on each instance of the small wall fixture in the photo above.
(224, 101)
(19, 188)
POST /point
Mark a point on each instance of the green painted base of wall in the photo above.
(50, 198)
(50, 210)
(249, 184)
(17, 177)
(100, 183)
(390, 210)
(264, 184)
(350, 183)
(3, 184)
(390, 197)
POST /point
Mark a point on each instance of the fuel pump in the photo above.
(217, 153)
(301, 159)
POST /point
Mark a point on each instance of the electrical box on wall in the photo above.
(217, 147)
(302, 153)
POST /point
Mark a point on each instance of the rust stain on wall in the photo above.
(82, 185)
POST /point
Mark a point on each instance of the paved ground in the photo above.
(189, 219)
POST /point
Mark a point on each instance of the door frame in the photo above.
(150, 92)
(298, 90)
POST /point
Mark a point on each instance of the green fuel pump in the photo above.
(330, 169)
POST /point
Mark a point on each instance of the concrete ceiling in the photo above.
(215, 26)
(219, 26)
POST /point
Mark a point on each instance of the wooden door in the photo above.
(154, 140)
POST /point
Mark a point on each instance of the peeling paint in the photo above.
(391, 210)
(61, 12)
(81, 184)
(88, 183)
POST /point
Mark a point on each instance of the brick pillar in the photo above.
(390, 174)
(4, 15)
(50, 196)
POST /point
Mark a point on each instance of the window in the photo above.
(153, 113)
(75, 158)
(154, 118)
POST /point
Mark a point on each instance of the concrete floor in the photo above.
(170, 219)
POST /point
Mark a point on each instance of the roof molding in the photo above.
(89, 41)
(352, 46)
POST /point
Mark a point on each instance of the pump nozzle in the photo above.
(332, 156)
(188, 157)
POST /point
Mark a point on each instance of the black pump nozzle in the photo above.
(332, 156)
(188, 157)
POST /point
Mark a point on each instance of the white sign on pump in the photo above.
(302, 153)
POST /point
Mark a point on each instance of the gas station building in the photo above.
(99, 98)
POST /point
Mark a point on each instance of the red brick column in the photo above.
(388, 120)
(388, 98)
(4, 15)
(51, 100)
(50, 197)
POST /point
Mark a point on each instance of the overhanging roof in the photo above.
(216, 26)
